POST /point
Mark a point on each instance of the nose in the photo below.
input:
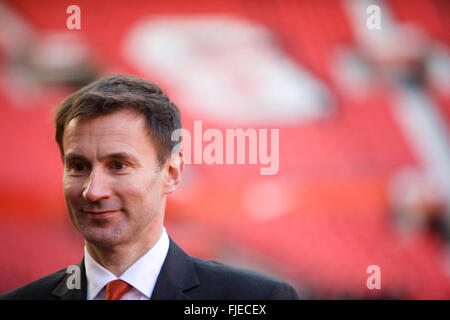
(97, 187)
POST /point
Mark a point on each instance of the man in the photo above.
(115, 141)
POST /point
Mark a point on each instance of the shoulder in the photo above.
(37, 290)
(229, 282)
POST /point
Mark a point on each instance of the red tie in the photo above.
(116, 289)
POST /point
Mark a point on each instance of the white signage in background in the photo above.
(403, 50)
(227, 70)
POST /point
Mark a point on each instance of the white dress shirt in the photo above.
(141, 275)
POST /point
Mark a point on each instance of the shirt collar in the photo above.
(142, 274)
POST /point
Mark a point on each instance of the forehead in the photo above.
(124, 130)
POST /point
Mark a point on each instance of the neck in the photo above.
(119, 258)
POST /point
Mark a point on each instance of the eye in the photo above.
(118, 166)
(77, 167)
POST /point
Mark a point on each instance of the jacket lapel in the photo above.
(65, 293)
(177, 276)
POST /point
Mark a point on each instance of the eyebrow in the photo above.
(116, 155)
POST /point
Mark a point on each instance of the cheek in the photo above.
(140, 192)
(72, 188)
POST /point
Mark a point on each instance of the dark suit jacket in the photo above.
(181, 277)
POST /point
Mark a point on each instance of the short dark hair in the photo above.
(110, 94)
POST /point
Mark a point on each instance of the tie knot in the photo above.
(116, 289)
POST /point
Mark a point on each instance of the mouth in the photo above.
(100, 214)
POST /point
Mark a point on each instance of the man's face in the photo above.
(112, 182)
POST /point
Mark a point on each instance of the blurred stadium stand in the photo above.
(350, 188)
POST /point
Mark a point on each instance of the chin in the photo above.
(103, 237)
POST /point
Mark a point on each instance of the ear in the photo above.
(172, 172)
